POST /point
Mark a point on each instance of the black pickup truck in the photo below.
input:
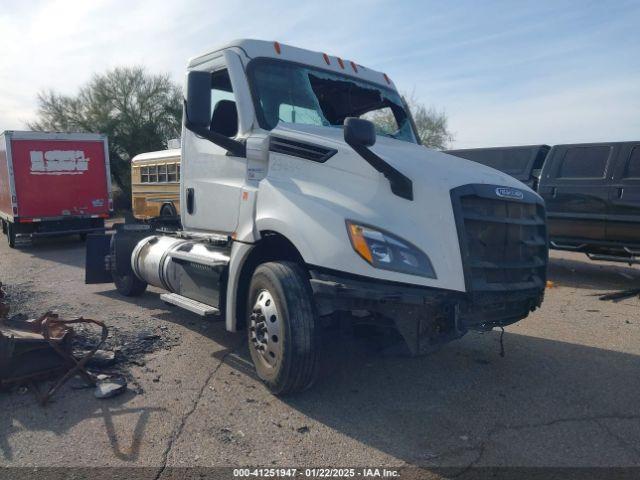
(592, 194)
(523, 162)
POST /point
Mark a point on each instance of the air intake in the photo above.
(304, 150)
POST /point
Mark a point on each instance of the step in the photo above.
(194, 306)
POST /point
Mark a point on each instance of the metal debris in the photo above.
(37, 349)
(110, 387)
(102, 358)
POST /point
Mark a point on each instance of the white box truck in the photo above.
(295, 208)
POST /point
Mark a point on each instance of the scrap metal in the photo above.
(40, 348)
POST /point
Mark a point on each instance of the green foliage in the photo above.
(431, 124)
(138, 111)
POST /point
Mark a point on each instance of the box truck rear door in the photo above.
(55, 178)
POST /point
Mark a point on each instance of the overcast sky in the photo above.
(506, 73)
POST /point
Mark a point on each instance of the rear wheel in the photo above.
(126, 283)
(11, 235)
(129, 285)
(167, 211)
(282, 328)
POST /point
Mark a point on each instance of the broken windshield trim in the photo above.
(255, 62)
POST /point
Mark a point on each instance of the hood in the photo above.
(321, 195)
(422, 165)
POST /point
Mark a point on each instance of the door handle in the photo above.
(620, 192)
(190, 200)
(554, 192)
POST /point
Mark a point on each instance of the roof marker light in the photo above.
(276, 47)
(353, 65)
(341, 63)
(326, 58)
(386, 78)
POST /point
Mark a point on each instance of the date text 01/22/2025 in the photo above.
(316, 472)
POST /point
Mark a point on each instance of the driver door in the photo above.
(212, 176)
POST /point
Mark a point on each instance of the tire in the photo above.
(129, 285)
(11, 235)
(282, 331)
(167, 211)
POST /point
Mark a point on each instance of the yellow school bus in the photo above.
(155, 184)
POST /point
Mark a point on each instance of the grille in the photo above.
(503, 241)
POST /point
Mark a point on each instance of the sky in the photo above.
(505, 72)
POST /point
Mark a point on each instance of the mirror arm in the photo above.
(236, 148)
(401, 185)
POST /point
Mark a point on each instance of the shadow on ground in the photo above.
(68, 409)
(547, 403)
(68, 250)
(578, 272)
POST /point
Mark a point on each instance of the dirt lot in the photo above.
(566, 393)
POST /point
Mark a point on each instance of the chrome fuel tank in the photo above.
(189, 267)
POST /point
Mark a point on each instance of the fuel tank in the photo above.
(189, 267)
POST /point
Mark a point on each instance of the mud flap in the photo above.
(97, 268)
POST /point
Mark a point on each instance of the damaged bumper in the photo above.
(425, 317)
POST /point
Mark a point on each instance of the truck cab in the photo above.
(298, 212)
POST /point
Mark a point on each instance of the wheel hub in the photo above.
(264, 329)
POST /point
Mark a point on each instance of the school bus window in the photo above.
(153, 174)
(171, 173)
(144, 175)
(162, 173)
(178, 168)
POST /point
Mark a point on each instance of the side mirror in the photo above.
(198, 113)
(199, 98)
(359, 132)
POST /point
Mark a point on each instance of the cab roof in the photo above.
(280, 51)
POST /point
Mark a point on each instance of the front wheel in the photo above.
(282, 328)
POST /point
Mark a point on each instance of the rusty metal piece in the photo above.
(52, 325)
(40, 349)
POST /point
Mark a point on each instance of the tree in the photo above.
(432, 125)
(138, 111)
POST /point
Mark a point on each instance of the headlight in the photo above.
(384, 250)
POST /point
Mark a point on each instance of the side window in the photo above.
(178, 171)
(153, 173)
(144, 174)
(633, 167)
(162, 173)
(172, 173)
(224, 113)
(585, 162)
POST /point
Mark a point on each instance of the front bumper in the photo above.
(425, 317)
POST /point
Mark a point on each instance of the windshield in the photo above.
(287, 92)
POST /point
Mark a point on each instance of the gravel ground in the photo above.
(566, 394)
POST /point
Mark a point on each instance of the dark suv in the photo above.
(592, 194)
(522, 162)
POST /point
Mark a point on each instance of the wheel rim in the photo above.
(265, 330)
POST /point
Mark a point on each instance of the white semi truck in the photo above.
(297, 210)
